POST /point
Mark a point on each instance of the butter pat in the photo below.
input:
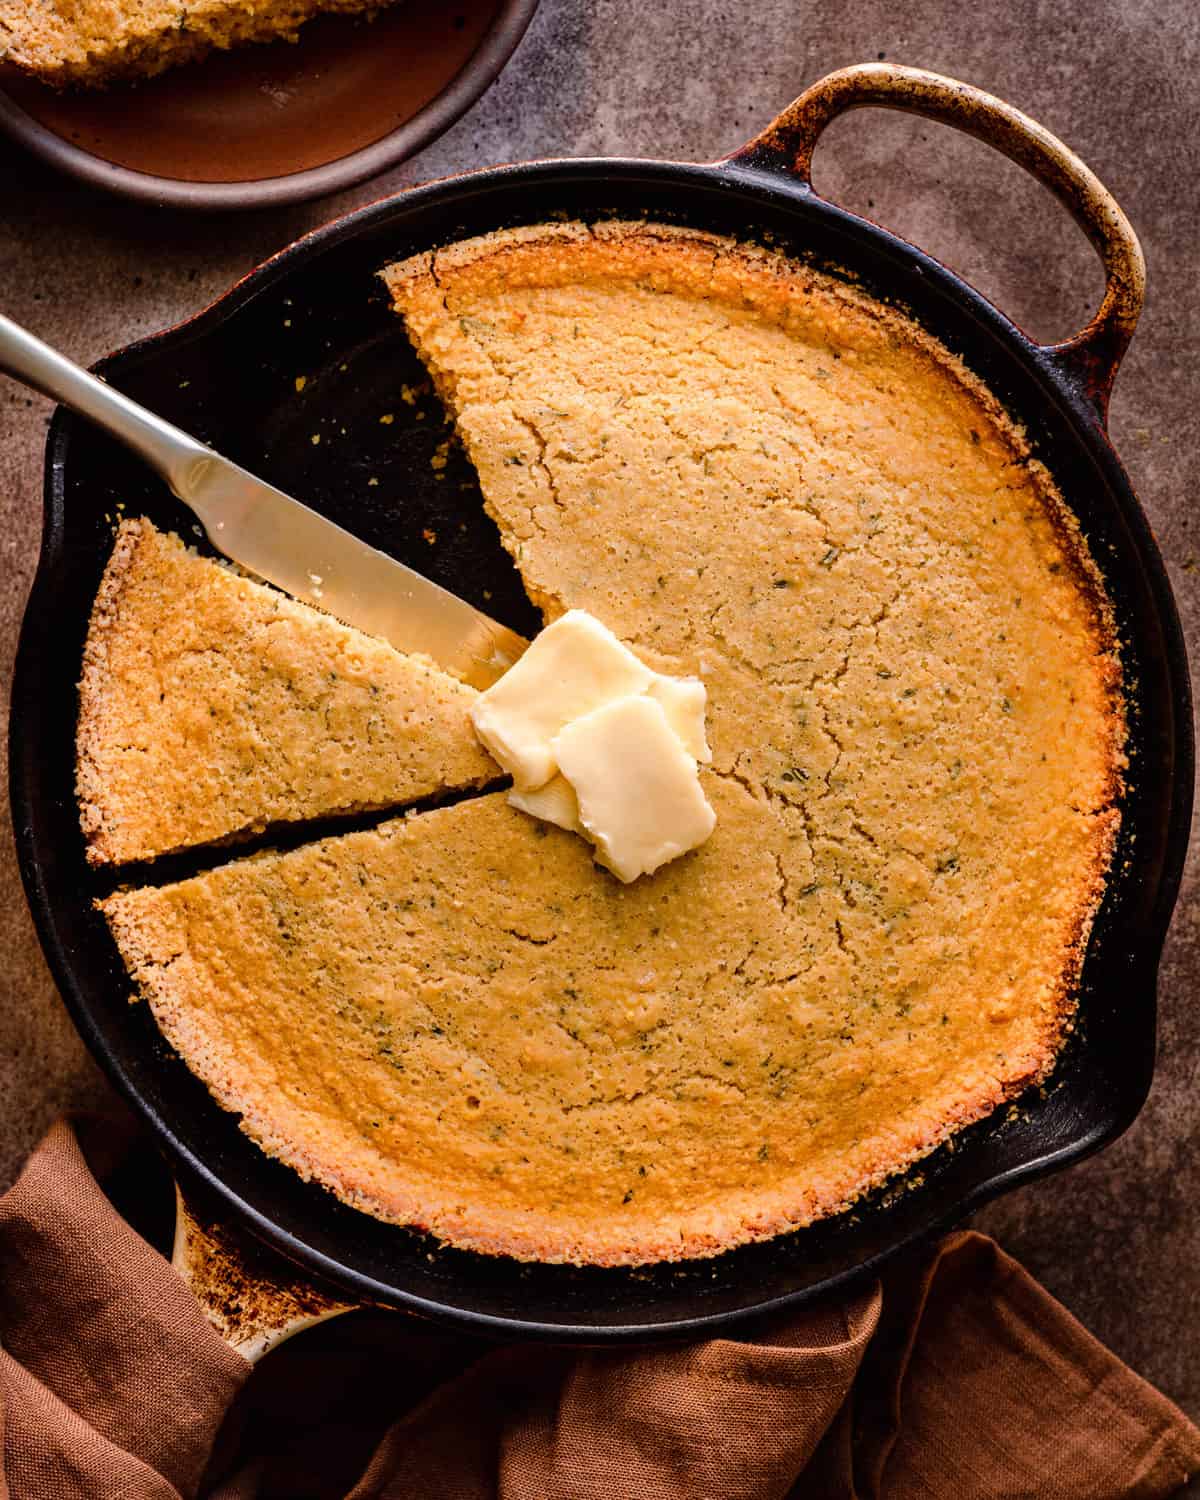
(639, 793)
(555, 802)
(600, 745)
(572, 667)
(683, 700)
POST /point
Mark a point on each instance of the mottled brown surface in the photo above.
(252, 1296)
(1116, 1238)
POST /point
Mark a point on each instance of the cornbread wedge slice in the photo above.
(211, 706)
(93, 42)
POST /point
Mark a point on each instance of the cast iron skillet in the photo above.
(316, 311)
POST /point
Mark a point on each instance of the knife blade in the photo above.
(272, 535)
(312, 558)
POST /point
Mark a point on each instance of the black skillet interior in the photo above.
(306, 349)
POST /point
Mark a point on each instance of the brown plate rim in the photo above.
(431, 120)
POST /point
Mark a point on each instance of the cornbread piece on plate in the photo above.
(759, 476)
(93, 42)
(212, 706)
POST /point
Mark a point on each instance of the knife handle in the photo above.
(178, 458)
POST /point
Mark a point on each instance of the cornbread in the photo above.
(94, 42)
(212, 706)
(755, 474)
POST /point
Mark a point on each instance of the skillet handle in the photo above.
(1092, 356)
(252, 1296)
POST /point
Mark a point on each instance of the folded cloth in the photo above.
(958, 1377)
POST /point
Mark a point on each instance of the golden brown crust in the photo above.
(90, 730)
(211, 706)
(753, 472)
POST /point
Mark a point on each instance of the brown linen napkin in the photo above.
(959, 1378)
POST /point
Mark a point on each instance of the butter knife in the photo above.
(274, 536)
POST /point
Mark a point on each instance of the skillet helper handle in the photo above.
(171, 453)
(1091, 357)
(252, 1296)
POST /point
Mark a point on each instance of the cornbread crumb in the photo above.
(95, 42)
(212, 706)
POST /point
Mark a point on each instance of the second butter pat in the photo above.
(639, 795)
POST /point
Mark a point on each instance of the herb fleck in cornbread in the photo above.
(757, 475)
(93, 42)
(212, 706)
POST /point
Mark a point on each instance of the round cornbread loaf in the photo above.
(756, 474)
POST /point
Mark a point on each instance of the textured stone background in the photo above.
(1116, 1238)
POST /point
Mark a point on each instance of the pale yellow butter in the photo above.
(555, 802)
(684, 700)
(572, 667)
(632, 738)
(639, 793)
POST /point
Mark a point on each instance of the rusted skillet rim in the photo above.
(1075, 376)
(431, 120)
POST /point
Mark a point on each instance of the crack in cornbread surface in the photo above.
(93, 42)
(212, 706)
(756, 474)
